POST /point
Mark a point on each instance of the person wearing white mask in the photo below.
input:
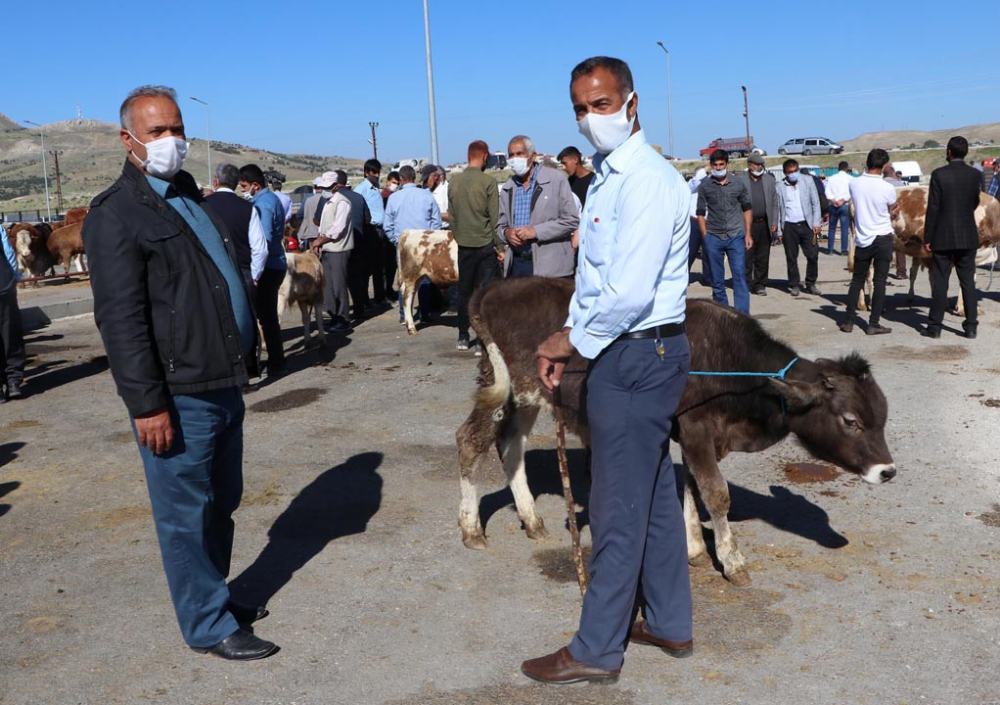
(174, 314)
(627, 317)
(537, 216)
(760, 184)
(799, 222)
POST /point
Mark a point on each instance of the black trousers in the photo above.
(375, 266)
(386, 265)
(964, 262)
(267, 313)
(879, 253)
(796, 236)
(476, 266)
(759, 257)
(12, 358)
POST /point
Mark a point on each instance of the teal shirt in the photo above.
(211, 240)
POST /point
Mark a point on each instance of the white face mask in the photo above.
(719, 173)
(793, 177)
(608, 132)
(393, 187)
(247, 196)
(164, 157)
(756, 172)
(519, 165)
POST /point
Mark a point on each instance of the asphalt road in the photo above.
(348, 530)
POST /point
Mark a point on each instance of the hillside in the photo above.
(902, 139)
(91, 157)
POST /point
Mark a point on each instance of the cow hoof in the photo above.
(739, 578)
(411, 332)
(475, 541)
(700, 561)
(537, 532)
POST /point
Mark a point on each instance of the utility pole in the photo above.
(670, 110)
(373, 141)
(55, 156)
(430, 86)
(45, 169)
(208, 138)
(746, 115)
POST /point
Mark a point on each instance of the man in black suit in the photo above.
(951, 236)
(241, 220)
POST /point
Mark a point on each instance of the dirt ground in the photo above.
(348, 531)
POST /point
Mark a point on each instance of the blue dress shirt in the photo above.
(8, 253)
(374, 199)
(272, 219)
(410, 207)
(522, 205)
(634, 232)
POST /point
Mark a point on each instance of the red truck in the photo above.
(736, 146)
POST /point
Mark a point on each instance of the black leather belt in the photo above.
(526, 256)
(665, 331)
(760, 220)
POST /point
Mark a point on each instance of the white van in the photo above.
(908, 172)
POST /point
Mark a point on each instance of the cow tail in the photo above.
(495, 395)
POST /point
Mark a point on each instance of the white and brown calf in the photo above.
(420, 254)
(303, 285)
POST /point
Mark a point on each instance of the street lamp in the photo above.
(208, 136)
(746, 115)
(45, 169)
(430, 86)
(670, 112)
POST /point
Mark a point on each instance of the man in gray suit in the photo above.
(763, 223)
(799, 224)
(537, 216)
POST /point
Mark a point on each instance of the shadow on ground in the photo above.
(338, 503)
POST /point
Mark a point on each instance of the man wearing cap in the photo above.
(838, 193)
(537, 216)
(763, 222)
(333, 246)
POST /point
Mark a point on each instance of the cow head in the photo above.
(839, 415)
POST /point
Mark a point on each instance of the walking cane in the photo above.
(574, 530)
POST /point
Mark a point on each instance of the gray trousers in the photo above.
(335, 292)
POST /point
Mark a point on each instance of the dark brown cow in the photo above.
(834, 407)
(65, 245)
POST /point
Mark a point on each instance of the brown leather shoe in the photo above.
(561, 668)
(678, 649)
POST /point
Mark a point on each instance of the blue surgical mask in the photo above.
(793, 177)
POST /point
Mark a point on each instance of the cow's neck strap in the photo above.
(780, 374)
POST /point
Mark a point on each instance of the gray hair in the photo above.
(228, 175)
(529, 144)
(125, 112)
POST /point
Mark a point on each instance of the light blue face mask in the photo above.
(719, 173)
(793, 177)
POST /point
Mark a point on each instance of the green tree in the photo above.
(932, 144)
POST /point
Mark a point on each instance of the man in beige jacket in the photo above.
(333, 246)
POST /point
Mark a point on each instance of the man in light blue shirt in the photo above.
(627, 317)
(411, 208)
(371, 244)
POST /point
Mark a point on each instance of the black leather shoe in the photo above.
(247, 614)
(846, 327)
(14, 389)
(970, 334)
(241, 645)
(928, 333)
(877, 330)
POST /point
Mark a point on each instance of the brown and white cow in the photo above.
(908, 232)
(431, 254)
(303, 285)
(834, 407)
(75, 215)
(65, 245)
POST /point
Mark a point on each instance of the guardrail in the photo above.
(65, 275)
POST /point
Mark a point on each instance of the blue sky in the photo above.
(309, 77)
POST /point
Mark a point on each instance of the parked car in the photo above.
(809, 146)
(496, 161)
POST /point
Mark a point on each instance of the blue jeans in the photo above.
(194, 488)
(636, 515)
(733, 248)
(841, 215)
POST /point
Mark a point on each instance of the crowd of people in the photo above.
(738, 217)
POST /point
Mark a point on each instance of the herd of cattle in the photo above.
(40, 247)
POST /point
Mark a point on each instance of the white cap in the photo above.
(328, 179)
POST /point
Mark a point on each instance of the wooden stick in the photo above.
(574, 530)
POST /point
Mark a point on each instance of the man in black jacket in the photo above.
(951, 235)
(176, 320)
